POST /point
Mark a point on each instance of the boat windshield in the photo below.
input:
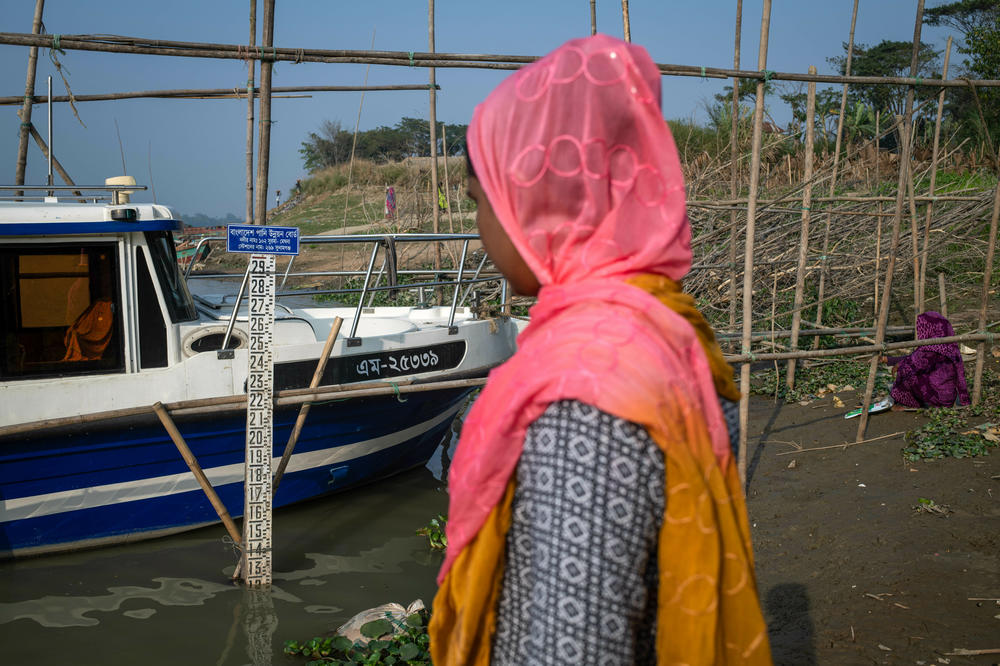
(175, 290)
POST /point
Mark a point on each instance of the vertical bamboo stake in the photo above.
(264, 144)
(758, 122)
(984, 299)
(904, 159)
(625, 21)
(593, 17)
(433, 120)
(800, 275)
(251, 75)
(447, 182)
(942, 297)
(915, 236)
(930, 189)
(878, 219)
(823, 271)
(29, 91)
(734, 160)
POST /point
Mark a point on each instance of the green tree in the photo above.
(889, 59)
(979, 23)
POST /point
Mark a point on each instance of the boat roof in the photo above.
(53, 216)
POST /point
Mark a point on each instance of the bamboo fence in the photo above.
(771, 231)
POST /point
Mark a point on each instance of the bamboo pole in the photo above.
(447, 181)
(239, 402)
(904, 159)
(747, 359)
(734, 161)
(593, 17)
(942, 297)
(136, 45)
(878, 237)
(758, 122)
(208, 93)
(984, 299)
(433, 122)
(845, 197)
(251, 74)
(930, 188)
(199, 475)
(625, 21)
(264, 142)
(833, 177)
(300, 420)
(914, 236)
(800, 275)
(29, 91)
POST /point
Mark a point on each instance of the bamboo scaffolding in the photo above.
(251, 74)
(734, 165)
(264, 133)
(26, 101)
(142, 46)
(800, 274)
(836, 163)
(930, 187)
(758, 121)
(904, 159)
(984, 301)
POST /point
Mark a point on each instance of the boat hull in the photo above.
(124, 480)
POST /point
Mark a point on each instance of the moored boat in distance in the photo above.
(98, 325)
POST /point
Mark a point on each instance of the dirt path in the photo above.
(848, 570)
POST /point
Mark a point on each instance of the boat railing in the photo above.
(389, 272)
(77, 191)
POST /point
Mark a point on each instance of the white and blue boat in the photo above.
(97, 325)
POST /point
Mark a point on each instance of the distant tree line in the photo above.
(410, 137)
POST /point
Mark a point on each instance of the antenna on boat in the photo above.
(121, 148)
(149, 165)
(50, 135)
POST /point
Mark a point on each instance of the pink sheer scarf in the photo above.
(583, 174)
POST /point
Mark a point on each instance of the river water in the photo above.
(172, 601)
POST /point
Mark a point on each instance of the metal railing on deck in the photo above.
(388, 270)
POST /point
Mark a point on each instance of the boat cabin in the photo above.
(88, 288)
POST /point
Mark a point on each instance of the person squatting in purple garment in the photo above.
(933, 375)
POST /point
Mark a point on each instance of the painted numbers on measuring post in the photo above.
(260, 389)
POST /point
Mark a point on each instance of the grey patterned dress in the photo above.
(580, 578)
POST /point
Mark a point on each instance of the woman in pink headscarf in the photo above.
(596, 515)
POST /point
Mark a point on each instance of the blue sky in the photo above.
(196, 148)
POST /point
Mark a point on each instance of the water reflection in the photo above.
(333, 558)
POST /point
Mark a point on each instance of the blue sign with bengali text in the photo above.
(262, 240)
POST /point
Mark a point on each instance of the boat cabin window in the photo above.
(60, 311)
(175, 292)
